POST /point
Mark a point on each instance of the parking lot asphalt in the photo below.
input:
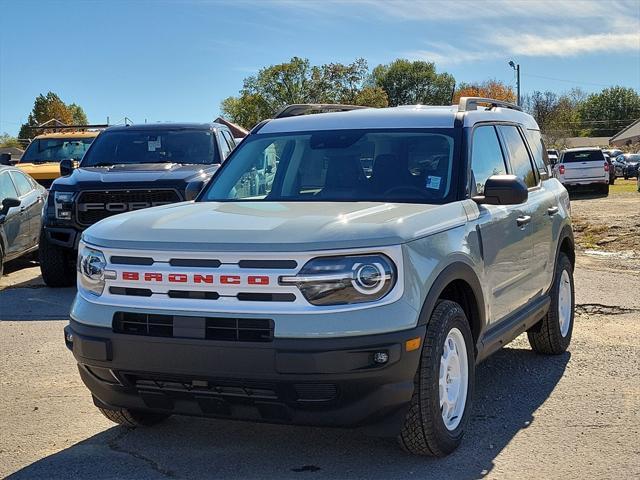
(576, 415)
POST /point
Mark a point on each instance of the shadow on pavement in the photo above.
(510, 387)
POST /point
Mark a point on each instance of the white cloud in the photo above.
(565, 46)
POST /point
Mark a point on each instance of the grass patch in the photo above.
(623, 186)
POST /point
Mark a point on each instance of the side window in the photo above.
(486, 158)
(7, 188)
(230, 141)
(225, 149)
(22, 183)
(518, 154)
(539, 151)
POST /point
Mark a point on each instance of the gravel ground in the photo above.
(576, 415)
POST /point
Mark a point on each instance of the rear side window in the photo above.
(540, 157)
(22, 183)
(7, 188)
(583, 156)
(518, 154)
(486, 158)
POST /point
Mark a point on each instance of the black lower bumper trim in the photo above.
(331, 382)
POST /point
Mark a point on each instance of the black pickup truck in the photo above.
(126, 168)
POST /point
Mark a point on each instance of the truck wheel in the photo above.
(56, 264)
(133, 418)
(605, 189)
(441, 402)
(552, 335)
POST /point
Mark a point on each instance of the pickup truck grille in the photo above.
(208, 328)
(94, 206)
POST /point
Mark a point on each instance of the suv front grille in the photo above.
(94, 206)
(209, 328)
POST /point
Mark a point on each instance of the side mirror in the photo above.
(8, 203)
(503, 190)
(67, 166)
(5, 159)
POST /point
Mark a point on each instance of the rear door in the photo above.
(15, 229)
(583, 166)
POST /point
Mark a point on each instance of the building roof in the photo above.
(577, 142)
(13, 151)
(236, 130)
(410, 116)
(630, 131)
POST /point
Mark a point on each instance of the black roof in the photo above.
(166, 126)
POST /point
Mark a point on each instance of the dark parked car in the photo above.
(127, 168)
(631, 162)
(21, 200)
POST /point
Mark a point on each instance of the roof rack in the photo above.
(468, 104)
(309, 108)
(68, 127)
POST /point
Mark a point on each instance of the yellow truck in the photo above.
(42, 157)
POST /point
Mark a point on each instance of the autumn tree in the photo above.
(48, 107)
(296, 81)
(489, 89)
(411, 83)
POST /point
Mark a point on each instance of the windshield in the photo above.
(339, 165)
(583, 156)
(152, 146)
(56, 149)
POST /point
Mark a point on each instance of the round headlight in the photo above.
(345, 279)
(91, 265)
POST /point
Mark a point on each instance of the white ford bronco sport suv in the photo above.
(335, 294)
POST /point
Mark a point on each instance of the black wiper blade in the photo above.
(103, 164)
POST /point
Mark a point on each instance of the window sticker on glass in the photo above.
(154, 145)
(433, 182)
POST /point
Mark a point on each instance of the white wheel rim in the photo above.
(564, 303)
(453, 380)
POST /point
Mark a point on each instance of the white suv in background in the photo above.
(583, 167)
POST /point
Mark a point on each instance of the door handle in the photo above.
(523, 220)
(552, 211)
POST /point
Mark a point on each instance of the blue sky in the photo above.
(175, 61)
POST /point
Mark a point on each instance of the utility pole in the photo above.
(517, 70)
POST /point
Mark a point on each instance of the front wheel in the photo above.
(56, 264)
(441, 402)
(133, 418)
(552, 335)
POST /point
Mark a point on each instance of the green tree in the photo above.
(606, 113)
(77, 114)
(48, 107)
(7, 140)
(296, 81)
(410, 83)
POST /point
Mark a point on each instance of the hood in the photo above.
(273, 226)
(158, 173)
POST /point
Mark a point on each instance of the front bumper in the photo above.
(328, 382)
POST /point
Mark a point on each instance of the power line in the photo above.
(565, 80)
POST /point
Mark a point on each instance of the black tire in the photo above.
(626, 177)
(612, 180)
(133, 418)
(57, 264)
(605, 189)
(424, 431)
(546, 336)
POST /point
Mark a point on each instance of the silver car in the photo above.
(385, 253)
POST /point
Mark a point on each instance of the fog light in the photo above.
(68, 337)
(381, 357)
